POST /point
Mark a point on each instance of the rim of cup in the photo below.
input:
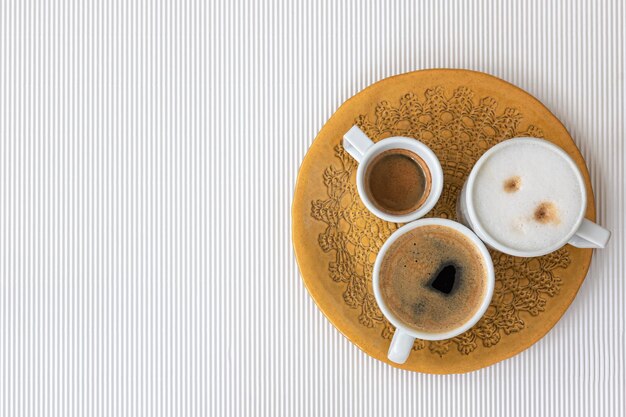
(477, 243)
(422, 151)
(473, 217)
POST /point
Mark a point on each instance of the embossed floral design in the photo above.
(459, 129)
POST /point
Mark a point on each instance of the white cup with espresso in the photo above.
(399, 179)
(526, 197)
(433, 279)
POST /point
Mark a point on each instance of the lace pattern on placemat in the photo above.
(459, 130)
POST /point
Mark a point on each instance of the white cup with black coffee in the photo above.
(526, 197)
(433, 279)
(399, 179)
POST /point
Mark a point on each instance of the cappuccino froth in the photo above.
(528, 196)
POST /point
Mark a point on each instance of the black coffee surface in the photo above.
(433, 279)
(398, 181)
(444, 279)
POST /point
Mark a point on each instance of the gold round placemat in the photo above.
(459, 114)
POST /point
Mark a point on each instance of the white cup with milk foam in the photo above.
(526, 197)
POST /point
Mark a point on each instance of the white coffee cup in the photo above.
(582, 234)
(363, 149)
(404, 336)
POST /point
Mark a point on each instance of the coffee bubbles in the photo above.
(433, 279)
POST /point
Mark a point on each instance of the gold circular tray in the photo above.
(459, 114)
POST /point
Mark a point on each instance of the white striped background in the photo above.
(148, 154)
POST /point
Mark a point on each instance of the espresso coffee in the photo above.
(397, 181)
(433, 279)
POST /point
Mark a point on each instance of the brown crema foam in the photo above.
(398, 181)
(433, 279)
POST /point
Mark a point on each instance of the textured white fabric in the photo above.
(148, 155)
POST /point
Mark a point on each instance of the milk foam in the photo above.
(545, 177)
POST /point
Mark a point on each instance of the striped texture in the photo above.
(148, 154)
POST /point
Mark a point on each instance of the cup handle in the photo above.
(356, 143)
(590, 235)
(400, 347)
